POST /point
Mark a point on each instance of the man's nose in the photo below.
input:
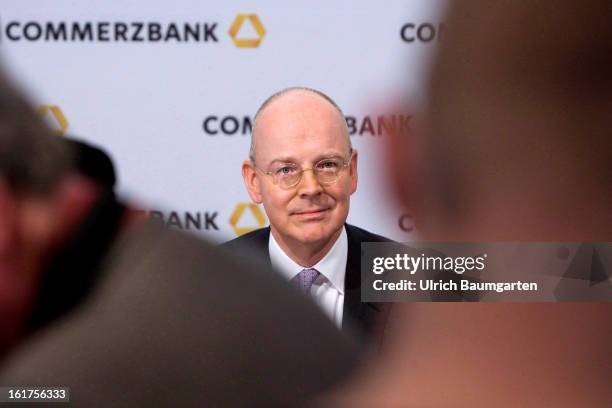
(309, 185)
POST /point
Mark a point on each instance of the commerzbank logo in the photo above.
(246, 217)
(237, 26)
(245, 30)
(54, 116)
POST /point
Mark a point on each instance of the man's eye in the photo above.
(328, 165)
(284, 171)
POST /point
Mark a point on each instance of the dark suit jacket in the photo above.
(157, 318)
(366, 320)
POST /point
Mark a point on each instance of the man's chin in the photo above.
(313, 234)
(312, 239)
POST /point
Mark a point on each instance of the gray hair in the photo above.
(283, 92)
(32, 158)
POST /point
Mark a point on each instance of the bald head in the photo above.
(297, 130)
(297, 102)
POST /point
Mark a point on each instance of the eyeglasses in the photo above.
(326, 171)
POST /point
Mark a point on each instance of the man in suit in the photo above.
(303, 169)
(130, 314)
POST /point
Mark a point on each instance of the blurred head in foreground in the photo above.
(41, 198)
(514, 146)
(517, 139)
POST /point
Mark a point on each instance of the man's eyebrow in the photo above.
(284, 160)
(329, 155)
(322, 156)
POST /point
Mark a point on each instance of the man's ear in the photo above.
(353, 171)
(251, 181)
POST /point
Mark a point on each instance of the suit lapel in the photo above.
(357, 316)
(260, 245)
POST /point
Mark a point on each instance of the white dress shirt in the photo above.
(328, 289)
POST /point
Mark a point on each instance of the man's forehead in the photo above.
(310, 150)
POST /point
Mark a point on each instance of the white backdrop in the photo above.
(145, 102)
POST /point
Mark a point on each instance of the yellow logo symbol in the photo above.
(247, 42)
(59, 118)
(239, 211)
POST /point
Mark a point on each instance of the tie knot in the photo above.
(306, 278)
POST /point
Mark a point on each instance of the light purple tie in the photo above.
(305, 279)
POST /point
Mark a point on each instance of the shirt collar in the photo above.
(332, 265)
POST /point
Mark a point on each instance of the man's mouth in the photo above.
(311, 213)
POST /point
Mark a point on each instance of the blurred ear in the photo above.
(353, 171)
(402, 153)
(48, 220)
(251, 181)
(8, 218)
